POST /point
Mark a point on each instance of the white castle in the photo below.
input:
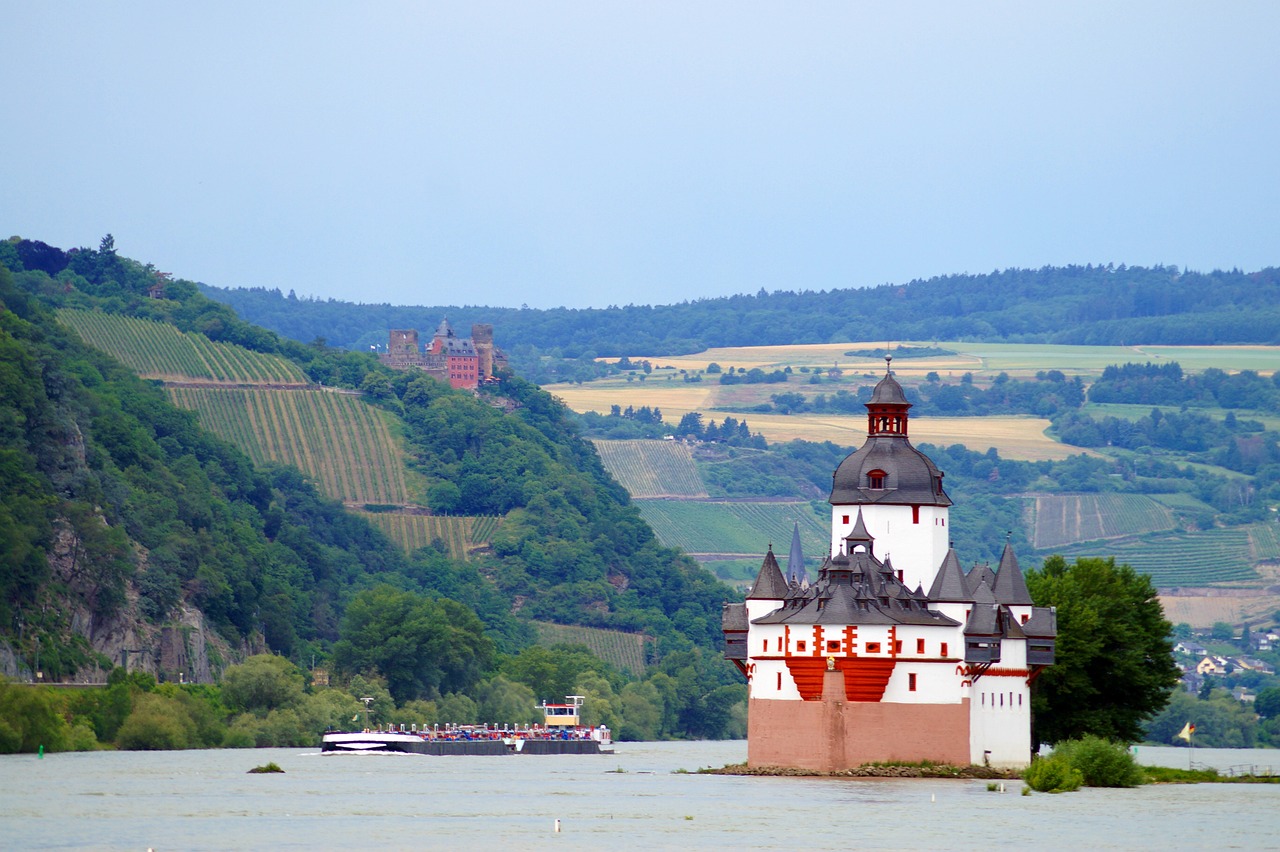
(880, 659)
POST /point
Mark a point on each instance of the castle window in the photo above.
(844, 519)
(779, 680)
(833, 645)
(944, 649)
(875, 479)
(873, 647)
(801, 646)
(919, 646)
(897, 647)
(911, 682)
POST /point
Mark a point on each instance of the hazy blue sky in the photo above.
(603, 153)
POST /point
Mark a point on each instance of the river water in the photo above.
(645, 796)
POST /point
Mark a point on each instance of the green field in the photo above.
(652, 468)
(737, 528)
(337, 439)
(158, 350)
(1061, 519)
(1132, 412)
(626, 651)
(460, 534)
(1191, 558)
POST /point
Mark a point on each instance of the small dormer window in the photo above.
(875, 480)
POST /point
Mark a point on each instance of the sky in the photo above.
(597, 153)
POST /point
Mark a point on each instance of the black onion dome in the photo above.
(889, 392)
(887, 469)
(909, 476)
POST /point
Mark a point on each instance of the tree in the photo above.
(262, 683)
(423, 647)
(1115, 662)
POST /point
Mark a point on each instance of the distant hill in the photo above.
(1072, 305)
(114, 503)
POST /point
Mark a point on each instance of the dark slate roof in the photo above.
(855, 589)
(795, 559)
(770, 584)
(1043, 622)
(734, 617)
(983, 621)
(889, 392)
(1010, 586)
(443, 329)
(983, 594)
(978, 575)
(910, 476)
(949, 584)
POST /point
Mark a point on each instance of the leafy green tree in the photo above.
(261, 684)
(423, 647)
(29, 719)
(1267, 704)
(1114, 665)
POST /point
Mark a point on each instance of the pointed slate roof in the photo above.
(949, 585)
(769, 584)
(1010, 586)
(983, 621)
(859, 535)
(795, 559)
(978, 575)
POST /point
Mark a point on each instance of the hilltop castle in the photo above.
(864, 665)
(463, 362)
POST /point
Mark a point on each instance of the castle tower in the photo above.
(863, 665)
(897, 488)
(482, 338)
(402, 346)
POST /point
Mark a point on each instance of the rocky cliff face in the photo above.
(183, 648)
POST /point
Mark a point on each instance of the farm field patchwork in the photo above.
(627, 651)
(157, 350)
(649, 468)
(747, 529)
(337, 439)
(1017, 359)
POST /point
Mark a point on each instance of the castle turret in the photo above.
(896, 488)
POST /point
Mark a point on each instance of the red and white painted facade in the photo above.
(894, 653)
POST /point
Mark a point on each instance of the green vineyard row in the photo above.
(652, 468)
(1062, 519)
(158, 350)
(1191, 558)
(460, 534)
(337, 439)
(626, 651)
(749, 528)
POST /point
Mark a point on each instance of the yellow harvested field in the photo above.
(675, 399)
(1014, 437)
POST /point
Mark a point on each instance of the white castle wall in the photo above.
(915, 549)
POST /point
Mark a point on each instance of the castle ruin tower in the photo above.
(897, 489)
(482, 337)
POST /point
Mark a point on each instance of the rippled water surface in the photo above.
(643, 797)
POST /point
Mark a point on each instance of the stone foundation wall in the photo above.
(832, 734)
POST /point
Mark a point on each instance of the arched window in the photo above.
(875, 479)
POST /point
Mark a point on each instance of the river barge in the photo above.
(560, 733)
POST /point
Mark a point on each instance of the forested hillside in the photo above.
(1074, 304)
(125, 516)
